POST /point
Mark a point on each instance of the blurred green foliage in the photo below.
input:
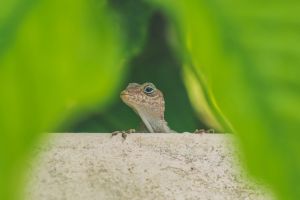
(55, 57)
(246, 56)
(239, 62)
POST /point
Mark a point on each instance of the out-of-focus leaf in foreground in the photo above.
(56, 56)
(247, 54)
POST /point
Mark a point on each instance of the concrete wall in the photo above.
(144, 166)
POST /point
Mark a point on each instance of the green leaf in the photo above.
(58, 57)
(247, 54)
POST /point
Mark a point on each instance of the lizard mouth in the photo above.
(124, 96)
(124, 92)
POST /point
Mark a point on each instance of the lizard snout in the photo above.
(124, 92)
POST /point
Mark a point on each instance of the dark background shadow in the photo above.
(158, 64)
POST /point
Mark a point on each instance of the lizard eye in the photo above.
(148, 90)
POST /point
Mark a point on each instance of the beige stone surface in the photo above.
(144, 166)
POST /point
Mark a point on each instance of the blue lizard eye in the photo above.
(148, 90)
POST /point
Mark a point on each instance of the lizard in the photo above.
(148, 103)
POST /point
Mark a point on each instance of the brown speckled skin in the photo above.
(150, 107)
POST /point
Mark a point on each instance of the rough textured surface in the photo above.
(144, 166)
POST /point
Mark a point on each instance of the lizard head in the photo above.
(144, 98)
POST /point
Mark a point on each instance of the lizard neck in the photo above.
(154, 122)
